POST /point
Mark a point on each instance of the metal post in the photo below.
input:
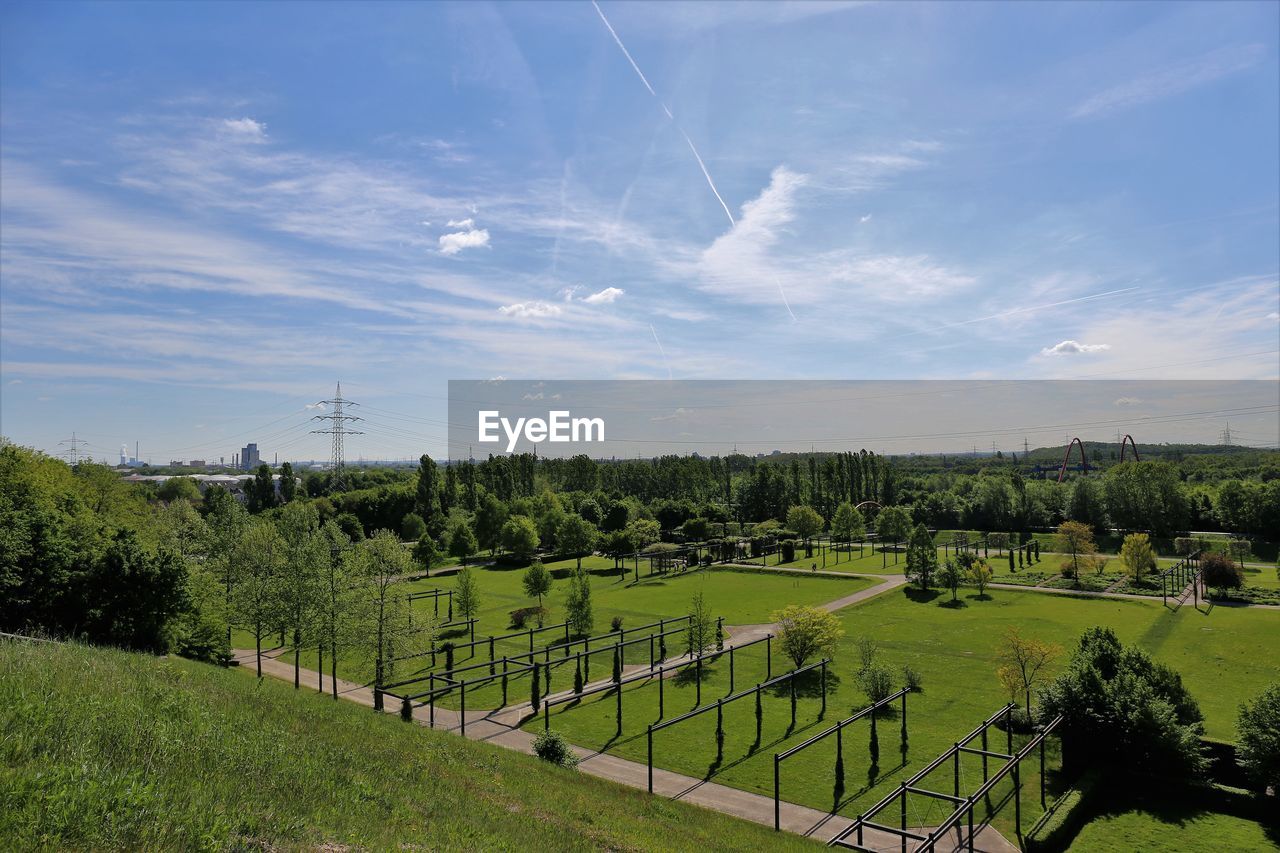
(530, 644)
(792, 681)
(504, 681)
(956, 772)
(463, 715)
(1042, 805)
(1008, 729)
(719, 720)
(651, 651)
(698, 699)
(970, 825)
(1017, 798)
(731, 670)
(902, 797)
(904, 716)
(546, 715)
(650, 737)
(984, 753)
(473, 636)
(777, 795)
(492, 668)
(768, 657)
(661, 681)
(824, 689)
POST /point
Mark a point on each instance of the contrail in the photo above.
(701, 165)
(1030, 308)
(661, 350)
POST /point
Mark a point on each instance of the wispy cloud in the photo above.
(530, 310)
(245, 128)
(609, 294)
(1171, 80)
(472, 238)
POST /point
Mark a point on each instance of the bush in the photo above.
(1220, 572)
(1259, 749)
(788, 550)
(553, 748)
(521, 617)
(912, 679)
(876, 681)
(615, 624)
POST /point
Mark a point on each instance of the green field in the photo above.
(1219, 654)
(107, 750)
(741, 597)
(1171, 824)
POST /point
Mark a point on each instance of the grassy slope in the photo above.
(1217, 653)
(1171, 824)
(108, 750)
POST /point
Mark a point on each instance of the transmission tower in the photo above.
(1225, 435)
(338, 420)
(73, 446)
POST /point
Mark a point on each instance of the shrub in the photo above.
(805, 632)
(788, 550)
(521, 617)
(876, 681)
(553, 748)
(1220, 572)
(912, 679)
(1259, 728)
(615, 624)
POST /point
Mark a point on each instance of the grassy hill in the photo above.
(103, 749)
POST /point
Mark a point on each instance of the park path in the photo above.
(500, 728)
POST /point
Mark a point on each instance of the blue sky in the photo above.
(211, 213)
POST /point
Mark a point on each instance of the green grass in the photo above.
(741, 597)
(105, 750)
(1218, 654)
(1176, 824)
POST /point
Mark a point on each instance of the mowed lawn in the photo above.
(1171, 824)
(741, 597)
(1221, 654)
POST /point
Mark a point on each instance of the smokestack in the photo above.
(137, 454)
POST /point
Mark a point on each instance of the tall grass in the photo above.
(102, 749)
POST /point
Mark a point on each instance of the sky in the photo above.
(211, 214)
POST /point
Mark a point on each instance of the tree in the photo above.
(847, 524)
(643, 532)
(997, 540)
(491, 515)
(412, 528)
(698, 635)
(922, 556)
(288, 483)
(338, 597)
(1022, 662)
(462, 542)
(979, 574)
(466, 594)
(259, 558)
(426, 553)
(1220, 572)
(576, 536)
(299, 589)
(1087, 504)
(1121, 709)
(1259, 745)
(136, 593)
(1075, 540)
(519, 537)
(1137, 555)
(260, 492)
(1240, 548)
(893, 524)
(578, 604)
(951, 574)
(382, 565)
(425, 500)
(537, 583)
(805, 631)
(806, 522)
(178, 488)
(1145, 496)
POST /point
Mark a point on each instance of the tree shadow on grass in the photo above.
(808, 685)
(980, 597)
(922, 596)
(688, 676)
(954, 604)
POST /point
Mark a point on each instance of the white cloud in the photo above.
(864, 219)
(609, 294)
(467, 223)
(1073, 348)
(452, 244)
(530, 310)
(1127, 401)
(245, 128)
(1170, 81)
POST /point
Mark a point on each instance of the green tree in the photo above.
(578, 604)
(412, 528)
(260, 492)
(462, 542)
(805, 631)
(847, 524)
(178, 488)
(1150, 720)
(979, 574)
(537, 583)
(491, 515)
(1075, 540)
(1023, 661)
(1259, 743)
(340, 598)
(425, 500)
(576, 536)
(893, 524)
(922, 556)
(1137, 555)
(259, 558)
(288, 483)
(951, 574)
(467, 593)
(1220, 572)
(807, 523)
(520, 537)
(427, 554)
(384, 630)
(1146, 496)
(701, 627)
(299, 588)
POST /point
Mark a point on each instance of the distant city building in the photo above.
(249, 458)
(197, 463)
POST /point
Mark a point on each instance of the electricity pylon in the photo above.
(338, 420)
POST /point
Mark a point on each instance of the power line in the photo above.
(338, 420)
(73, 446)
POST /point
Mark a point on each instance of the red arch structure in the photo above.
(876, 504)
(1075, 442)
(1133, 444)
